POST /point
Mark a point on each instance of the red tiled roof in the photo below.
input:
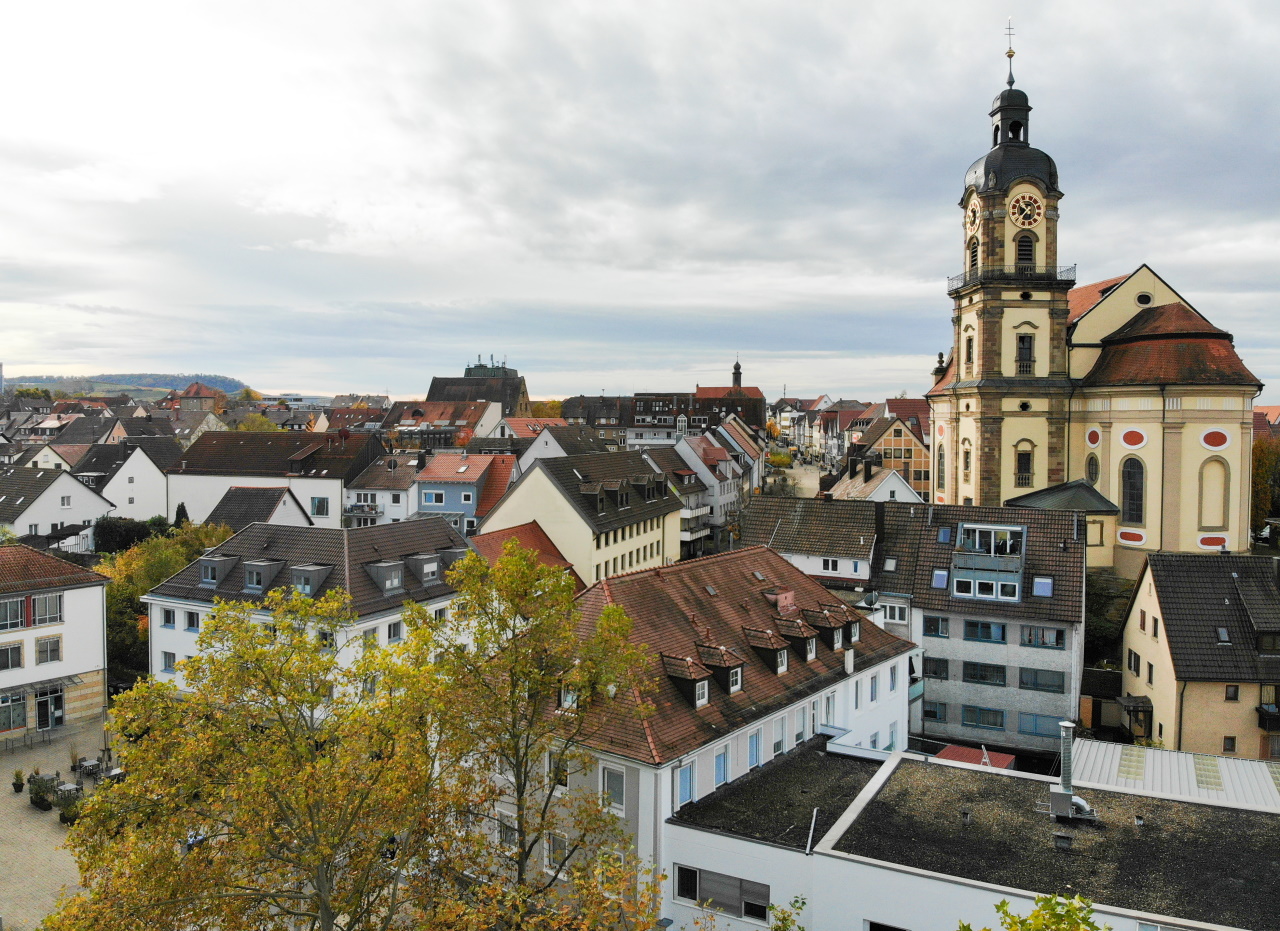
(1271, 412)
(23, 569)
(676, 615)
(906, 408)
(532, 426)
(730, 392)
(455, 467)
(1261, 426)
(197, 390)
(974, 755)
(1169, 345)
(531, 536)
(72, 452)
(946, 381)
(496, 482)
(1084, 297)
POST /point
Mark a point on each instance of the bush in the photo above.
(114, 534)
(780, 460)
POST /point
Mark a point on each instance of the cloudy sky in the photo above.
(616, 196)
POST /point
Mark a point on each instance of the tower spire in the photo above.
(1008, 31)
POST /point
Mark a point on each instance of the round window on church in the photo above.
(1091, 470)
(1144, 299)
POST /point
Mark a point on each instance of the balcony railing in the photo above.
(1269, 718)
(1026, 366)
(1022, 479)
(362, 510)
(984, 561)
(1013, 274)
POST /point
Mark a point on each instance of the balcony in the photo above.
(362, 510)
(963, 560)
(1269, 718)
(915, 690)
(1026, 366)
(1013, 275)
(701, 511)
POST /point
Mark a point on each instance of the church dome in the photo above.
(1010, 97)
(1007, 163)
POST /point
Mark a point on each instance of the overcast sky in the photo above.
(613, 196)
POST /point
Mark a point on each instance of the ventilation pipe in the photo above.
(1068, 732)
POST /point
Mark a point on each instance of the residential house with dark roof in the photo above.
(485, 383)
(921, 843)
(829, 540)
(660, 418)
(316, 467)
(53, 655)
(898, 447)
(462, 488)
(199, 397)
(607, 513)
(723, 476)
(440, 424)
(190, 425)
(49, 508)
(748, 660)
(563, 440)
(1202, 655)
(870, 478)
(381, 568)
(131, 474)
(695, 500)
(382, 493)
(242, 506)
(607, 416)
(527, 427)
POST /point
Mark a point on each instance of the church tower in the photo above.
(1000, 404)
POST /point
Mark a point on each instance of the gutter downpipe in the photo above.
(1182, 694)
(1164, 459)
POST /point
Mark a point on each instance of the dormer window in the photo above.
(213, 569)
(735, 679)
(568, 699)
(837, 639)
(810, 649)
(387, 574)
(208, 574)
(701, 693)
(855, 631)
(1224, 635)
(253, 579)
(307, 580)
(781, 661)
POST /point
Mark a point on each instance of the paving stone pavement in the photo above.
(31, 841)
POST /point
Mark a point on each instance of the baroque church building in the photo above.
(1116, 398)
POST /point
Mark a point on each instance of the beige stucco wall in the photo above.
(1152, 647)
(1113, 312)
(1207, 717)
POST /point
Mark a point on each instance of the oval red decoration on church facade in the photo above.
(1215, 439)
(1093, 437)
(1134, 439)
(1134, 537)
(941, 430)
(1213, 542)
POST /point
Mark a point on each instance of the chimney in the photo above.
(828, 496)
(866, 469)
(1068, 731)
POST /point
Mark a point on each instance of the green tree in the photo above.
(136, 571)
(35, 394)
(113, 534)
(248, 396)
(550, 408)
(257, 423)
(1052, 913)
(1266, 481)
(530, 690)
(180, 515)
(281, 790)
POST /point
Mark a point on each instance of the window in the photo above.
(893, 678)
(837, 638)
(890, 564)
(936, 668)
(935, 711)
(895, 613)
(395, 631)
(810, 648)
(193, 620)
(328, 640)
(739, 898)
(874, 693)
(991, 541)
(1228, 745)
(130, 479)
(433, 497)
(168, 617)
(12, 615)
(613, 787)
(942, 484)
(986, 589)
(875, 741)
(829, 709)
(507, 834)
(1233, 693)
(1038, 725)
(963, 588)
(557, 851)
(984, 674)
(66, 501)
(1151, 674)
(1042, 680)
(1050, 638)
(568, 698)
(968, 350)
(782, 661)
(48, 650)
(830, 565)
(779, 735)
(1132, 487)
(701, 693)
(1026, 256)
(10, 656)
(319, 507)
(1023, 476)
(395, 497)
(467, 497)
(940, 578)
(857, 694)
(1091, 469)
(735, 679)
(1134, 663)
(754, 741)
(935, 626)
(985, 631)
(46, 609)
(1155, 627)
(168, 661)
(722, 767)
(684, 785)
(13, 712)
(990, 718)
(1042, 587)
(1224, 635)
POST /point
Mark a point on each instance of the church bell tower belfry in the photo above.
(1000, 404)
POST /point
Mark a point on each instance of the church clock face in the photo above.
(1026, 210)
(971, 218)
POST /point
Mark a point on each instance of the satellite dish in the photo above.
(871, 599)
(393, 464)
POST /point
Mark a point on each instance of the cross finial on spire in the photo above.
(1008, 31)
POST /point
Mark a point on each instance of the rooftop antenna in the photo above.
(1008, 30)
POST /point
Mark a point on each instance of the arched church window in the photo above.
(1015, 131)
(1133, 482)
(1026, 250)
(1023, 468)
(1026, 353)
(942, 468)
(973, 255)
(995, 136)
(1213, 494)
(1091, 469)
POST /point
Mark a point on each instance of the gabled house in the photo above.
(899, 447)
(490, 384)
(440, 424)
(316, 467)
(382, 493)
(381, 568)
(527, 427)
(489, 547)
(462, 488)
(53, 654)
(607, 514)
(695, 500)
(831, 541)
(190, 425)
(131, 474)
(1202, 655)
(722, 475)
(240, 507)
(871, 480)
(567, 440)
(199, 397)
(607, 416)
(50, 508)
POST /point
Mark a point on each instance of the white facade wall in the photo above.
(139, 490)
(85, 507)
(201, 492)
(83, 632)
(855, 570)
(395, 505)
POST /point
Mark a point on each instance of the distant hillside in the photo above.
(134, 380)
